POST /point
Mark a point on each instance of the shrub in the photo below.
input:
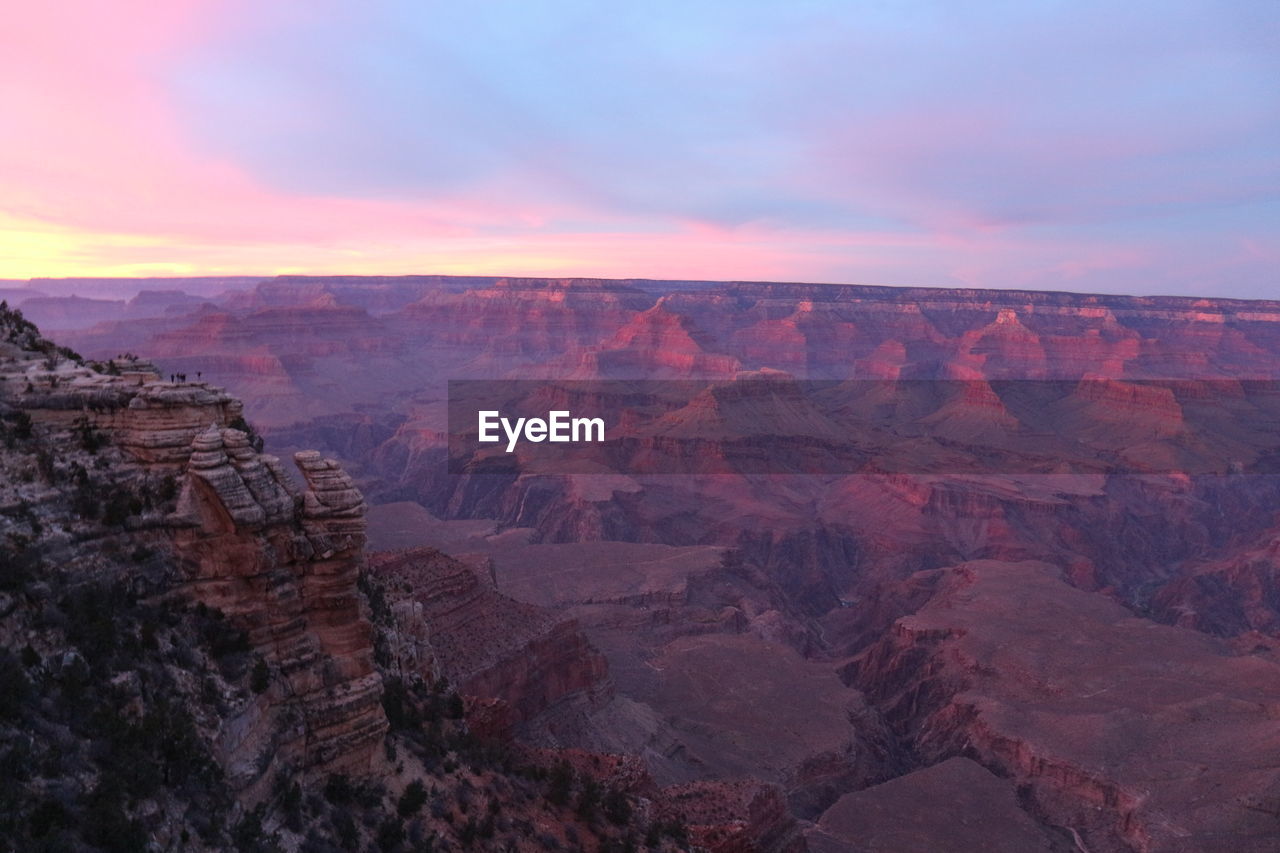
(17, 689)
(337, 789)
(291, 803)
(19, 424)
(412, 800)
(249, 836)
(117, 508)
(50, 816)
(261, 678)
(255, 440)
(390, 833)
(617, 808)
(107, 825)
(588, 798)
(222, 638)
(560, 784)
(402, 712)
(344, 825)
(90, 438)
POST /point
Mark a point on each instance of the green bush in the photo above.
(90, 438)
(390, 834)
(255, 440)
(107, 824)
(17, 423)
(588, 798)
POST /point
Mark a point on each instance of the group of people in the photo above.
(182, 377)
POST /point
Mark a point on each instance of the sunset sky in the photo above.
(1079, 145)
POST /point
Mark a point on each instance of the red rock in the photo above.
(487, 645)
(1135, 735)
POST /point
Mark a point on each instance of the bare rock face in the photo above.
(1132, 735)
(279, 562)
(158, 424)
(284, 566)
(454, 624)
(1229, 596)
(743, 816)
(247, 485)
(744, 706)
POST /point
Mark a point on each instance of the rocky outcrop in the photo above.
(1234, 594)
(1128, 733)
(251, 488)
(455, 625)
(155, 421)
(157, 426)
(743, 816)
(280, 562)
(284, 565)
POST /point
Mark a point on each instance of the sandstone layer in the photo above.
(280, 561)
(531, 660)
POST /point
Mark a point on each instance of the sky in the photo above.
(1079, 145)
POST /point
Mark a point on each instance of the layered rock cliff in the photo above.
(523, 660)
(280, 562)
(1128, 735)
(1089, 720)
(188, 662)
(283, 564)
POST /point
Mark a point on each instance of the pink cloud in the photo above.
(100, 175)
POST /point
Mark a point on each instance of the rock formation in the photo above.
(955, 806)
(1128, 734)
(284, 565)
(279, 562)
(188, 664)
(528, 659)
(996, 627)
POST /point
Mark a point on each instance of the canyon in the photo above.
(210, 660)
(1067, 644)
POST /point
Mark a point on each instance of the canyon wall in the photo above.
(1131, 735)
(997, 630)
(279, 560)
(524, 661)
